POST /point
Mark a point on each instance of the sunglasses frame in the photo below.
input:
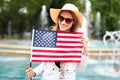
(67, 20)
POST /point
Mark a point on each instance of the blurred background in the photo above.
(101, 24)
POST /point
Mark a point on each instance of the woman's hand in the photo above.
(30, 73)
(85, 41)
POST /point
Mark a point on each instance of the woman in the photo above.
(67, 19)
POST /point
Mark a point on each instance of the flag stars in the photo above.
(44, 38)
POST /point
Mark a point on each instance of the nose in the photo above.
(63, 22)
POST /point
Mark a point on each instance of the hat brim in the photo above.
(55, 12)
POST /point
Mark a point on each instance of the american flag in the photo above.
(52, 46)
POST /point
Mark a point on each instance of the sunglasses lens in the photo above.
(67, 20)
(61, 18)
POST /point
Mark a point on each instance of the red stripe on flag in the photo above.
(68, 36)
(49, 56)
(79, 42)
(55, 51)
(55, 60)
(70, 32)
(69, 46)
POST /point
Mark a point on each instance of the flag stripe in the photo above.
(68, 39)
(72, 42)
(74, 33)
(43, 58)
(65, 49)
(55, 60)
(55, 56)
(69, 46)
(54, 51)
(68, 36)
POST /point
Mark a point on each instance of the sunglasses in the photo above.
(67, 20)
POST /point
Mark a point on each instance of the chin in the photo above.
(63, 29)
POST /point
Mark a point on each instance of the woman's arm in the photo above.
(40, 68)
(85, 41)
(33, 72)
(83, 64)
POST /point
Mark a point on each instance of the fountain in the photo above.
(9, 28)
(111, 39)
(84, 28)
(112, 36)
(43, 18)
(97, 25)
(86, 19)
(88, 9)
(23, 10)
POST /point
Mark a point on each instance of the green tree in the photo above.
(9, 11)
(110, 13)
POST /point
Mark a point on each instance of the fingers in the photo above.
(29, 69)
(85, 41)
(30, 73)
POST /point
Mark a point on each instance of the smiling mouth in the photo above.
(62, 26)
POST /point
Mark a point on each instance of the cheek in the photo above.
(64, 27)
(69, 26)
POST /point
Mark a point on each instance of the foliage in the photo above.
(110, 13)
(9, 11)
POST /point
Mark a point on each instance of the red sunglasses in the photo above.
(67, 20)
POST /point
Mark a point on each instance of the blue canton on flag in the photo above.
(44, 38)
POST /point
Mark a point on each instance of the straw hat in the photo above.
(70, 7)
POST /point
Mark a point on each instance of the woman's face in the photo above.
(65, 21)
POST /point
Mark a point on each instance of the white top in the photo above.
(67, 70)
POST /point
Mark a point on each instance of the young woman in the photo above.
(67, 19)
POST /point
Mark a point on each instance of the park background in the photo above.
(102, 24)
